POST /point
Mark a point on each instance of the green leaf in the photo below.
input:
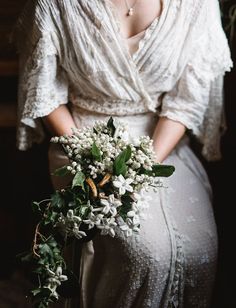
(45, 249)
(51, 218)
(128, 152)
(96, 152)
(120, 161)
(160, 170)
(45, 292)
(111, 126)
(126, 206)
(84, 209)
(41, 262)
(123, 169)
(52, 242)
(119, 166)
(35, 291)
(61, 171)
(78, 180)
(57, 200)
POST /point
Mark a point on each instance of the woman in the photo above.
(157, 66)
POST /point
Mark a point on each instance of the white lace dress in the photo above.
(73, 51)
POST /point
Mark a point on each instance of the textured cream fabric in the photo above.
(133, 42)
(74, 50)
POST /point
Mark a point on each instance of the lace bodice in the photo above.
(73, 51)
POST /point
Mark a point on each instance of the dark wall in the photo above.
(222, 175)
(24, 175)
(222, 178)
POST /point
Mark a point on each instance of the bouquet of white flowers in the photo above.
(109, 175)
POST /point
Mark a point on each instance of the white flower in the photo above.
(142, 200)
(93, 220)
(131, 224)
(57, 274)
(74, 164)
(70, 224)
(55, 139)
(72, 217)
(78, 233)
(54, 280)
(123, 184)
(136, 165)
(131, 214)
(127, 230)
(107, 226)
(135, 141)
(121, 130)
(104, 216)
(110, 205)
(134, 218)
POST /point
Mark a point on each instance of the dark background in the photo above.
(24, 176)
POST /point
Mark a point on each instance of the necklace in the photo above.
(130, 8)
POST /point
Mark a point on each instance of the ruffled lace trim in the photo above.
(209, 61)
(182, 118)
(213, 71)
(41, 91)
(145, 38)
(218, 52)
(44, 93)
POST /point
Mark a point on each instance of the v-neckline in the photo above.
(148, 31)
(142, 42)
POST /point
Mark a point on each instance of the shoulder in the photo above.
(36, 18)
(194, 8)
(203, 12)
(205, 7)
(39, 14)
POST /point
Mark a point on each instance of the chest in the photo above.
(94, 49)
(136, 15)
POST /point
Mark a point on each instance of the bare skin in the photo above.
(144, 13)
(167, 133)
(60, 122)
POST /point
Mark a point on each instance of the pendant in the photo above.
(130, 11)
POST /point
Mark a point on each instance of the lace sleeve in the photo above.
(197, 98)
(43, 83)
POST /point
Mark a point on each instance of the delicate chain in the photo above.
(130, 8)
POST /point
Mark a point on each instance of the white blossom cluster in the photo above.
(54, 280)
(70, 224)
(109, 145)
(78, 147)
